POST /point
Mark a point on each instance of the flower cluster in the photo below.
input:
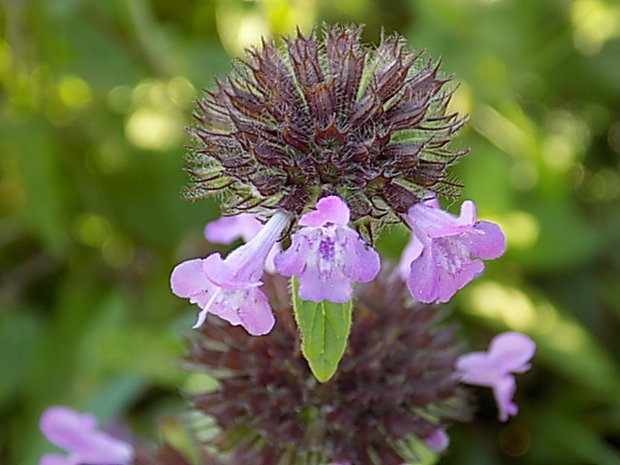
(315, 146)
(327, 255)
(329, 139)
(396, 387)
(326, 114)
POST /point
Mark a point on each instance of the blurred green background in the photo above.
(95, 95)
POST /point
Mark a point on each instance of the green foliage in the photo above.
(325, 328)
(94, 97)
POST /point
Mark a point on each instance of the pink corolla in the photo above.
(327, 255)
(508, 353)
(78, 434)
(227, 229)
(229, 288)
(446, 252)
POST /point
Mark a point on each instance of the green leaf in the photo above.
(325, 327)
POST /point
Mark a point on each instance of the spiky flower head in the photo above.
(325, 114)
(395, 384)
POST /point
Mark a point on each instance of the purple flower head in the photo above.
(508, 353)
(229, 287)
(326, 254)
(78, 435)
(245, 226)
(445, 251)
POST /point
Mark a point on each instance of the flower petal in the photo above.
(432, 202)
(54, 459)
(512, 351)
(256, 315)
(292, 261)
(317, 285)
(412, 250)
(188, 279)
(229, 228)
(244, 266)
(361, 263)
(270, 266)
(105, 450)
(449, 283)
(228, 275)
(503, 391)
(77, 434)
(65, 427)
(226, 305)
(423, 280)
(474, 368)
(435, 222)
(487, 241)
(330, 209)
(228, 287)
(468, 213)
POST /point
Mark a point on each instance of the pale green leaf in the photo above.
(324, 327)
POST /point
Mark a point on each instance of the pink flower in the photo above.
(78, 435)
(445, 251)
(326, 254)
(227, 229)
(229, 287)
(508, 353)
